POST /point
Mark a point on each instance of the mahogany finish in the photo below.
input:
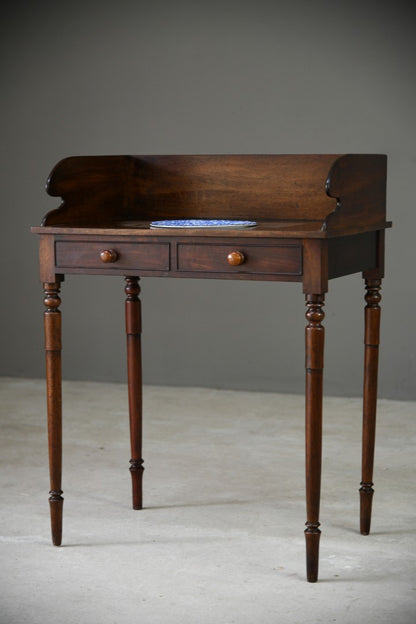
(52, 322)
(134, 378)
(318, 217)
(336, 191)
(371, 341)
(314, 366)
(261, 260)
(120, 255)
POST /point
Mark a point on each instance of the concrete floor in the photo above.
(220, 540)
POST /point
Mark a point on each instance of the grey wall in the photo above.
(213, 77)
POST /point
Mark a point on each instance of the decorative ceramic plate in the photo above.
(201, 223)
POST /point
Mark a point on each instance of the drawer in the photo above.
(244, 258)
(112, 255)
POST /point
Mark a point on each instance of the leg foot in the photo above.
(56, 507)
(312, 535)
(136, 471)
(366, 501)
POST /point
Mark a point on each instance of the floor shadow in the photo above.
(140, 543)
(200, 504)
(356, 531)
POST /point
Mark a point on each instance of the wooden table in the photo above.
(318, 217)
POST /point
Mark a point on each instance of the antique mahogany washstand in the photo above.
(318, 217)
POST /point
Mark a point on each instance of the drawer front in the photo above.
(253, 259)
(112, 255)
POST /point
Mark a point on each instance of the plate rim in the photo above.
(204, 223)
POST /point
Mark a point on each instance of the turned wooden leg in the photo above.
(134, 375)
(314, 363)
(52, 322)
(372, 341)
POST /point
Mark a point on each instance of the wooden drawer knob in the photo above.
(235, 258)
(108, 255)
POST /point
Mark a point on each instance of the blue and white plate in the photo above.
(201, 223)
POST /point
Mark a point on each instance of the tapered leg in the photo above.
(372, 341)
(52, 323)
(314, 363)
(134, 375)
